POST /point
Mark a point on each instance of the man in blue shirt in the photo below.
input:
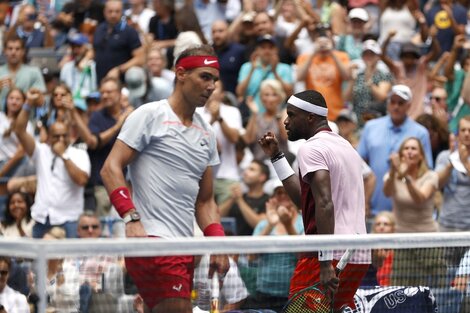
(383, 136)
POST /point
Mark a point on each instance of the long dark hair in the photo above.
(8, 219)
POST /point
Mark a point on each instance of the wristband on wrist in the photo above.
(26, 107)
(282, 168)
(121, 199)
(214, 230)
(325, 255)
(277, 156)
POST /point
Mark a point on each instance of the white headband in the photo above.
(307, 106)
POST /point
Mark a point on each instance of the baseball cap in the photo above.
(410, 48)
(347, 114)
(265, 38)
(135, 79)
(248, 17)
(402, 91)
(371, 45)
(359, 13)
(95, 95)
(78, 39)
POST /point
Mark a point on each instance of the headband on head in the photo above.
(307, 106)
(193, 61)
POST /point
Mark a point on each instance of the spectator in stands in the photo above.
(17, 221)
(231, 55)
(457, 86)
(140, 15)
(25, 28)
(163, 27)
(437, 105)
(275, 270)
(410, 70)
(402, 17)
(143, 88)
(62, 287)
(384, 223)
(82, 16)
(162, 78)
(79, 74)
(226, 122)
(100, 134)
(412, 186)
(11, 152)
(101, 276)
(449, 17)
(264, 63)
(384, 135)
(438, 133)
(10, 300)
(117, 45)
(325, 69)
(59, 167)
(207, 13)
(351, 42)
(368, 88)
(248, 208)
(272, 96)
(15, 73)
(453, 167)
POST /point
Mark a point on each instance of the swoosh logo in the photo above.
(121, 192)
(178, 288)
(207, 62)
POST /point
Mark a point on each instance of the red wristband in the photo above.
(214, 229)
(121, 200)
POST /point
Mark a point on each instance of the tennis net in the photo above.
(426, 272)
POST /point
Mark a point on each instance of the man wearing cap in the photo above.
(264, 64)
(328, 167)
(170, 151)
(411, 70)
(383, 136)
(352, 43)
(79, 74)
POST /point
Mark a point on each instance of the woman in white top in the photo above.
(412, 186)
(400, 16)
(11, 152)
(17, 221)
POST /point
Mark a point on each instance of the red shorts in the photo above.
(159, 278)
(307, 273)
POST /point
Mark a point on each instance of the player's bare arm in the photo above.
(113, 178)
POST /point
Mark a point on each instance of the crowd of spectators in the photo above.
(393, 73)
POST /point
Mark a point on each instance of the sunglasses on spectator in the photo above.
(86, 227)
(4, 273)
(438, 99)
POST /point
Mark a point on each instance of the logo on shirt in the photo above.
(177, 288)
(207, 62)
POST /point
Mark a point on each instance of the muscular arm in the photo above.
(207, 211)
(324, 210)
(112, 171)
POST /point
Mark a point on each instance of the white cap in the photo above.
(402, 91)
(371, 45)
(359, 13)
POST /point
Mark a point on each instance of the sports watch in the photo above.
(132, 217)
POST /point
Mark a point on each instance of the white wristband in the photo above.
(283, 169)
(325, 255)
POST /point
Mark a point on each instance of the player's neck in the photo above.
(322, 126)
(183, 110)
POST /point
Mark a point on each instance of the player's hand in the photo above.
(219, 263)
(328, 277)
(135, 229)
(269, 144)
